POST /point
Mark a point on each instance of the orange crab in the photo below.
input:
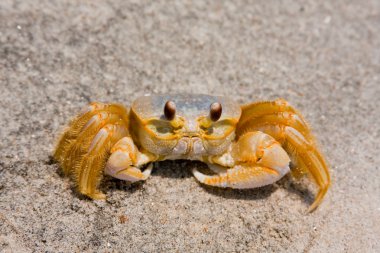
(245, 146)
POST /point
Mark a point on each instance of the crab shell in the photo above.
(191, 134)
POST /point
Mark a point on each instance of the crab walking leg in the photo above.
(307, 155)
(277, 112)
(81, 121)
(124, 162)
(78, 147)
(258, 109)
(283, 118)
(259, 160)
(88, 169)
(284, 123)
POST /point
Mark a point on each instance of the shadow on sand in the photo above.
(182, 169)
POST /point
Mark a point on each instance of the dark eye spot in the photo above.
(169, 110)
(215, 111)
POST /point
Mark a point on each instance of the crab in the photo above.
(245, 146)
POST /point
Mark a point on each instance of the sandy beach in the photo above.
(57, 56)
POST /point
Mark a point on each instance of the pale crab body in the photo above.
(245, 146)
(185, 136)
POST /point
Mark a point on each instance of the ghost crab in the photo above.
(245, 146)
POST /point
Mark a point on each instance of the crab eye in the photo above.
(169, 110)
(215, 111)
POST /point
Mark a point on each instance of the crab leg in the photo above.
(124, 162)
(77, 147)
(308, 158)
(277, 112)
(84, 147)
(284, 123)
(259, 160)
(258, 109)
(88, 169)
(305, 155)
(85, 126)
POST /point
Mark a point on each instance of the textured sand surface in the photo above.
(56, 56)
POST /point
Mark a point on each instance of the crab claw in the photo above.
(124, 161)
(259, 160)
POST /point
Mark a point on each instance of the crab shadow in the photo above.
(177, 169)
(62, 175)
(109, 184)
(298, 188)
(180, 169)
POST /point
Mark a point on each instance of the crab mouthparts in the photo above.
(190, 147)
(190, 134)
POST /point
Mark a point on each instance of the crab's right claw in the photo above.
(123, 161)
(259, 160)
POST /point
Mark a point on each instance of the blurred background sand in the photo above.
(56, 56)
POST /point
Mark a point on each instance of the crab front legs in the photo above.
(255, 160)
(125, 161)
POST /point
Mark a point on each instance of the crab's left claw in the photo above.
(259, 160)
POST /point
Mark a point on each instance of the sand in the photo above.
(56, 56)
